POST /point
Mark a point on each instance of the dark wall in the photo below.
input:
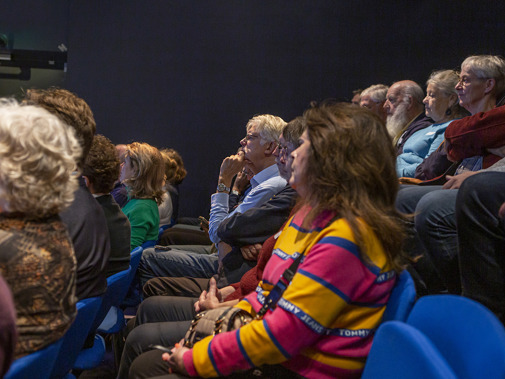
(189, 74)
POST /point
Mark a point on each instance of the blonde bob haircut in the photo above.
(38, 155)
(269, 127)
(149, 172)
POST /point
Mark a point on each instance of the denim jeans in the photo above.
(175, 263)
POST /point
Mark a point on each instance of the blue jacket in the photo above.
(419, 146)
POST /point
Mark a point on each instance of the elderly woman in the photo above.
(442, 106)
(143, 174)
(350, 237)
(37, 181)
(482, 80)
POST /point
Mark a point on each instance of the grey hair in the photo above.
(413, 90)
(269, 127)
(445, 81)
(377, 92)
(38, 155)
(487, 67)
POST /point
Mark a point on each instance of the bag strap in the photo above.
(284, 281)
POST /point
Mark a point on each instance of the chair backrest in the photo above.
(469, 336)
(148, 244)
(135, 256)
(117, 286)
(402, 299)
(401, 351)
(40, 362)
(74, 338)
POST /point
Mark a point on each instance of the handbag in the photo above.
(225, 319)
(215, 321)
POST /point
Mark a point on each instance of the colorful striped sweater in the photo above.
(324, 322)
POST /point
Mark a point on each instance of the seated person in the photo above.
(38, 156)
(143, 173)
(100, 170)
(84, 218)
(373, 98)
(442, 106)
(350, 237)
(258, 146)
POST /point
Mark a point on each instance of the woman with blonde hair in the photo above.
(349, 236)
(38, 177)
(143, 173)
(442, 106)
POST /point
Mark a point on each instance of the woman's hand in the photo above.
(175, 359)
(209, 299)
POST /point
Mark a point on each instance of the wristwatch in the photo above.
(235, 192)
(221, 187)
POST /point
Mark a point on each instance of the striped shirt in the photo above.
(323, 325)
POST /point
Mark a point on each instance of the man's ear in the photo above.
(490, 84)
(270, 148)
(86, 180)
(411, 102)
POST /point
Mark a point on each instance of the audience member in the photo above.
(84, 219)
(482, 78)
(38, 155)
(143, 172)
(405, 112)
(442, 106)
(100, 170)
(8, 332)
(350, 235)
(258, 146)
(373, 98)
(245, 232)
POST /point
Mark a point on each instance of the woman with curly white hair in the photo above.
(37, 180)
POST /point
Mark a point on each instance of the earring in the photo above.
(448, 112)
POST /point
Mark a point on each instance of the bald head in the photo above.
(404, 101)
(408, 92)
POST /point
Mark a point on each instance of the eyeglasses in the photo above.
(464, 81)
(283, 150)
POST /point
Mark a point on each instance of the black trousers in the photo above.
(481, 237)
(160, 320)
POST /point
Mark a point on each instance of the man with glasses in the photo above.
(373, 98)
(259, 157)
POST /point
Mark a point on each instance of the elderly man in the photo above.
(258, 156)
(373, 98)
(405, 111)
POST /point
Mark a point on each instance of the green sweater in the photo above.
(144, 220)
